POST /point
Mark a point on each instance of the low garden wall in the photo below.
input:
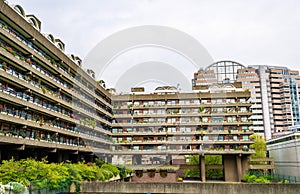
(188, 188)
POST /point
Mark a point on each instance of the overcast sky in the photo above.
(250, 32)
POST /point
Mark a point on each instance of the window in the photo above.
(244, 119)
(171, 129)
(19, 10)
(243, 109)
(242, 100)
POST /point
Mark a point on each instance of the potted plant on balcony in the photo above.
(176, 111)
(41, 122)
(44, 90)
(5, 27)
(201, 109)
(4, 66)
(14, 133)
(245, 148)
(52, 61)
(22, 134)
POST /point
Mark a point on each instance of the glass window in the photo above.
(244, 119)
(205, 119)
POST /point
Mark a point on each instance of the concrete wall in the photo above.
(287, 157)
(189, 188)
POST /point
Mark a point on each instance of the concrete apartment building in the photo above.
(155, 128)
(49, 105)
(274, 93)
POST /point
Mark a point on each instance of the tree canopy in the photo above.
(259, 146)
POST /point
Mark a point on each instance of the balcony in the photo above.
(182, 152)
(29, 47)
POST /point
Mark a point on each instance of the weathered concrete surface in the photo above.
(189, 188)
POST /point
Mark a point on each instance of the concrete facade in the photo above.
(286, 153)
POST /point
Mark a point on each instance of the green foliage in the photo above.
(88, 173)
(213, 159)
(209, 159)
(73, 172)
(111, 168)
(77, 186)
(105, 174)
(259, 146)
(254, 179)
(124, 171)
(129, 171)
(41, 174)
(99, 162)
(17, 187)
(193, 172)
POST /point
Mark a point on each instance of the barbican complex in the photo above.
(51, 107)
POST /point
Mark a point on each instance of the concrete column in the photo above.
(59, 157)
(230, 168)
(108, 159)
(136, 159)
(239, 167)
(134, 162)
(65, 156)
(139, 159)
(202, 168)
(169, 159)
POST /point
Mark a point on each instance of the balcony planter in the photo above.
(245, 148)
(151, 172)
(163, 173)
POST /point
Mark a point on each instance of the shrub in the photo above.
(111, 168)
(17, 187)
(41, 174)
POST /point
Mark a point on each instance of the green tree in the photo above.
(213, 159)
(209, 159)
(259, 146)
(195, 172)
